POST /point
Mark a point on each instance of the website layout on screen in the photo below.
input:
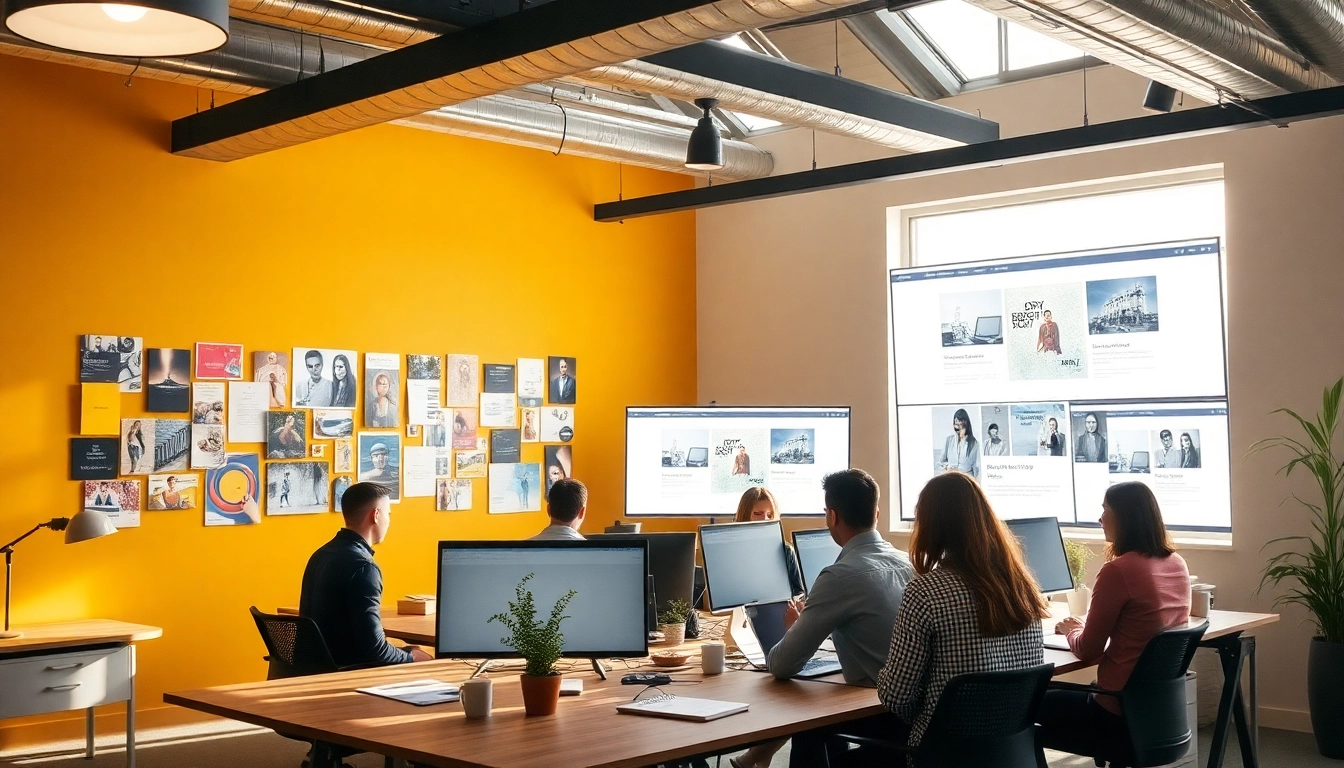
(697, 462)
(1049, 378)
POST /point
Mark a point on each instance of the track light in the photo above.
(132, 28)
(1160, 97)
(704, 152)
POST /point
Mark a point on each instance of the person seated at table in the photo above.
(1141, 590)
(854, 601)
(759, 505)
(566, 503)
(343, 586)
(972, 607)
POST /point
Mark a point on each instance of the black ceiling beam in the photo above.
(727, 64)
(534, 29)
(867, 6)
(457, 14)
(1274, 110)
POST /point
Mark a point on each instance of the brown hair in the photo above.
(955, 528)
(566, 500)
(1136, 521)
(749, 499)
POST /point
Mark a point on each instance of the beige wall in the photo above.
(792, 303)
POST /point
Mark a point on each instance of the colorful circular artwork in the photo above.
(233, 483)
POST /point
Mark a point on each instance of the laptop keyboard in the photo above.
(816, 667)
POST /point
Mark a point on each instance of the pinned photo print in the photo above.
(515, 488)
(207, 402)
(380, 460)
(464, 428)
(168, 380)
(559, 464)
(99, 358)
(332, 423)
(531, 421)
(207, 446)
(382, 391)
(178, 491)
(119, 500)
(152, 446)
(464, 380)
(339, 486)
(343, 455)
(286, 434)
(436, 433)
(328, 378)
(422, 367)
(233, 491)
(563, 387)
(130, 350)
(219, 361)
(469, 464)
(296, 488)
(272, 369)
(453, 496)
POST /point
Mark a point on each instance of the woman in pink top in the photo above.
(1143, 589)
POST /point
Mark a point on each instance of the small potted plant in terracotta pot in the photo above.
(540, 643)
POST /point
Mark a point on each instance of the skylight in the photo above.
(750, 122)
(977, 44)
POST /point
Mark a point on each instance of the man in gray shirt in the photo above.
(566, 503)
(853, 601)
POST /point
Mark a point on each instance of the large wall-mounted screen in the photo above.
(696, 461)
(1050, 378)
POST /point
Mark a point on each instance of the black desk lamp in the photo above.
(88, 524)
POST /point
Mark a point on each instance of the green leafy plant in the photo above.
(539, 643)
(1079, 555)
(1317, 569)
(676, 612)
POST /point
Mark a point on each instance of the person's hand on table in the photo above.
(1068, 625)
(418, 653)
(795, 608)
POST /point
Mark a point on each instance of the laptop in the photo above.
(767, 624)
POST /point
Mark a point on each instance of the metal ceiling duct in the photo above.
(642, 76)
(362, 24)
(259, 57)
(1188, 44)
(709, 21)
(1314, 27)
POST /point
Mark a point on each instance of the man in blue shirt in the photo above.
(343, 586)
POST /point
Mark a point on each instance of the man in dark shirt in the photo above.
(343, 587)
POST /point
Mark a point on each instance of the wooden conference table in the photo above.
(587, 730)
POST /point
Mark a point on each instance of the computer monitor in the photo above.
(1043, 547)
(816, 550)
(989, 330)
(478, 579)
(744, 563)
(1138, 462)
(671, 563)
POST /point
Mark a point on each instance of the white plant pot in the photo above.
(1079, 600)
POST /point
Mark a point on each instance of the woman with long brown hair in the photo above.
(1142, 589)
(972, 607)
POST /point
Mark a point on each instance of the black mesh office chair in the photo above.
(295, 648)
(1153, 700)
(982, 720)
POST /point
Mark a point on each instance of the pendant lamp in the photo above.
(704, 152)
(132, 28)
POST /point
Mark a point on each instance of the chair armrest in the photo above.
(869, 741)
(1060, 685)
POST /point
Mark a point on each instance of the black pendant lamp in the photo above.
(704, 152)
(132, 28)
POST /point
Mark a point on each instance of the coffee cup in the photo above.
(1201, 601)
(712, 656)
(477, 696)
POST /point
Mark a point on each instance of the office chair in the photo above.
(295, 648)
(1153, 700)
(982, 720)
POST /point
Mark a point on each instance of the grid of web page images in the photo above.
(1049, 378)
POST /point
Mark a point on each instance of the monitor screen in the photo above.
(744, 563)
(1043, 548)
(477, 579)
(697, 461)
(671, 563)
(1105, 366)
(816, 550)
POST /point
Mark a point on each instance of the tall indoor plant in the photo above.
(540, 643)
(1314, 568)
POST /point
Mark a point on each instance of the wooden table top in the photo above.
(586, 730)
(67, 634)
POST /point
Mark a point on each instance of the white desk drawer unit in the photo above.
(64, 681)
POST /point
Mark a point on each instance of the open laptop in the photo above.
(767, 624)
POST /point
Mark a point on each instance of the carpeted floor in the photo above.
(225, 744)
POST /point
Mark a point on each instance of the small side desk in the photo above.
(73, 665)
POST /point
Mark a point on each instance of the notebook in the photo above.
(1056, 642)
(421, 693)
(682, 708)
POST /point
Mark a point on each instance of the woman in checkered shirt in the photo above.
(972, 607)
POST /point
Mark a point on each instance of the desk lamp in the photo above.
(88, 524)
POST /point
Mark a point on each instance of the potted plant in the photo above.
(672, 622)
(1315, 568)
(1078, 555)
(539, 643)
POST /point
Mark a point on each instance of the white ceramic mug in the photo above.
(712, 657)
(1201, 600)
(478, 696)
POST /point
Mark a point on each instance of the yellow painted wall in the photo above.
(388, 240)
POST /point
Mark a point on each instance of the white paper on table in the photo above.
(531, 380)
(417, 473)
(499, 409)
(248, 403)
(554, 421)
(422, 396)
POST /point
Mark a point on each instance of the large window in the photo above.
(1052, 348)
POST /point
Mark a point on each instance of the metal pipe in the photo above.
(1314, 27)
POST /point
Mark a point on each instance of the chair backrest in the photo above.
(986, 720)
(294, 645)
(1154, 698)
